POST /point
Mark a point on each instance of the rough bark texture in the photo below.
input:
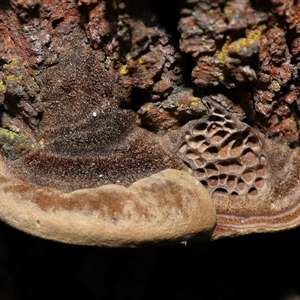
(241, 53)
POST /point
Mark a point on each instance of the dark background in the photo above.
(260, 266)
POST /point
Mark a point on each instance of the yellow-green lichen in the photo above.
(149, 107)
(14, 77)
(13, 144)
(107, 62)
(244, 47)
(2, 87)
(222, 54)
(141, 60)
(38, 72)
(229, 11)
(274, 86)
(197, 102)
(190, 104)
(13, 62)
(123, 70)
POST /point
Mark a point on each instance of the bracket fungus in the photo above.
(86, 180)
(77, 167)
(149, 211)
(254, 182)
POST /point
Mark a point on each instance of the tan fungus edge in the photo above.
(167, 206)
(231, 226)
(283, 214)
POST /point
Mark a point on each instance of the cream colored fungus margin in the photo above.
(167, 206)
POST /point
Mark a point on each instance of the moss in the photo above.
(13, 145)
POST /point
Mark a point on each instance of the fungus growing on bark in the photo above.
(71, 186)
(227, 156)
(253, 181)
(168, 206)
(69, 139)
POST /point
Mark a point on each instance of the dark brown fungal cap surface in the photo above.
(86, 140)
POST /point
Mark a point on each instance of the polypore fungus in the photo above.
(68, 187)
(168, 206)
(226, 156)
(75, 165)
(253, 181)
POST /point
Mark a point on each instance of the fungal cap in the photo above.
(167, 206)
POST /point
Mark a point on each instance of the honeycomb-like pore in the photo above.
(226, 155)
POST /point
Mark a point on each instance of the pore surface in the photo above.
(252, 180)
(227, 156)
